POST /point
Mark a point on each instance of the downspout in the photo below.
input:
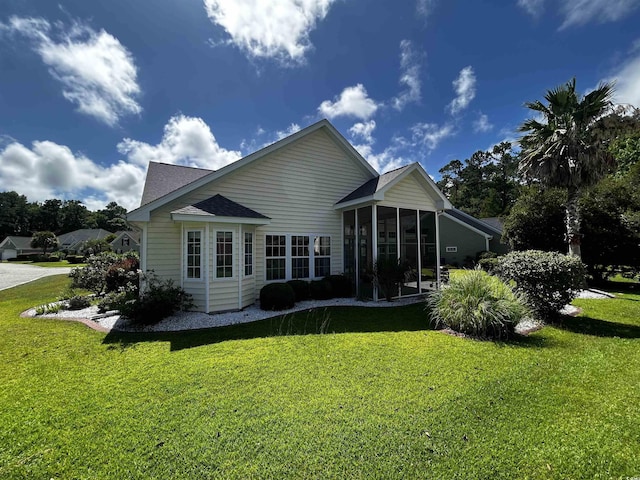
(207, 259)
(240, 269)
(374, 244)
(438, 213)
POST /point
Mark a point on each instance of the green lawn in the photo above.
(385, 399)
(62, 263)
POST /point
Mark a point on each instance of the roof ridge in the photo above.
(398, 168)
(182, 166)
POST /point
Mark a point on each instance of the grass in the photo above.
(62, 263)
(386, 398)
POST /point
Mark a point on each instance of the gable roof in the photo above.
(221, 206)
(20, 243)
(132, 234)
(142, 213)
(82, 235)
(473, 222)
(163, 178)
(375, 188)
(495, 222)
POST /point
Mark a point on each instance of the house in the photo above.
(72, 242)
(463, 237)
(304, 207)
(11, 247)
(126, 241)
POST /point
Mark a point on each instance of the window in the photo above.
(194, 254)
(248, 253)
(451, 249)
(276, 254)
(322, 256)
(299, 256)
(224, 254)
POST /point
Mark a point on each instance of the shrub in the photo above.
(277, 296)
(75, 259)
(300, 289)
(549, 280)
(93, 276)
(320, 289)
(478, 304)
(160, 299)
(389, 275)
(122, 273)
(78, 302)
(341, 286)
(489, 265)
(485, 254)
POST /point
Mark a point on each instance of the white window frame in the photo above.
(215, 256)
(251, 254)
(319, 256)
(276, 257)
(186, 255)
(288, 273)
(306, 257)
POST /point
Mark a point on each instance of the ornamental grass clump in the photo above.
(476, 303)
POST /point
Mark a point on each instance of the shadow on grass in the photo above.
(598, 328)
(309, 322)
(623, 287)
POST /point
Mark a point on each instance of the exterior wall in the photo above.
(495, 245)
(453, 234)
(409, 193)
(296, 186)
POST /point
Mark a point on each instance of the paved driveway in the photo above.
(12, 274)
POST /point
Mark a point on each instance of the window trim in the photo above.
(252, 253)
(185, 259)
(214, 274)
(288, 274)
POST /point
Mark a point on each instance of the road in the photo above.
(12, 274)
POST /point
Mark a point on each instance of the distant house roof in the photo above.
(19, 243)
(473, 222)
(133, 234)
(219, 206)
(374, 185)
(163, 178)
(70, 239)
(495, 222)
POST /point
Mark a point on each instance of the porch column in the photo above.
(374, 243)
(438, 248)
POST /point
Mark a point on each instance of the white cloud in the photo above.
(581, 12)
(352, 102)
(48, 170)
(532, 7)
(263, 29)
(627, 80)
(465, 88)
(186, 141)
(482, 124)
(290, 130)
(97, 72)
(425, 7)
(410, 68)
(430, 134)
(363, 130)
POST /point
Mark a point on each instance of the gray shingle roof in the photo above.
(163, 178)
(495, 222)
(21, 243)
(82, 235)
(219, 206)
(474, 222)
(375, 184)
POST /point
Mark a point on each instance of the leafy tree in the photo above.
(536, 221)
(112, 218)
(73, 216)
(569, 147)
(44, 240)
(95, 246)
(14, 215)
(47, 216)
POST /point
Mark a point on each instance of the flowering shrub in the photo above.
(93, 276)
(549, 280)
(122, 273)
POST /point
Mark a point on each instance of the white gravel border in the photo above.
(182, 321)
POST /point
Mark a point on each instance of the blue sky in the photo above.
(90, 92)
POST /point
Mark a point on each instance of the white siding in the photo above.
(296, 186)
(410, 192)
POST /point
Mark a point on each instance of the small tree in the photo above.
(44, 240)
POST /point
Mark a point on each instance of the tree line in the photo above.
(572, 184)
(19, 217)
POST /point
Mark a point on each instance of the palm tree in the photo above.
(568, 146)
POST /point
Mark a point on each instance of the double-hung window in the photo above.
(224, 254)
(276, 255)
(194, 255)
(248, 254)
(299, 256)
(322, 256)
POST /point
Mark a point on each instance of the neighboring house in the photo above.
(463, 236)
(304, 207)
(11, 247)
(128, 241)
(72, 242)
